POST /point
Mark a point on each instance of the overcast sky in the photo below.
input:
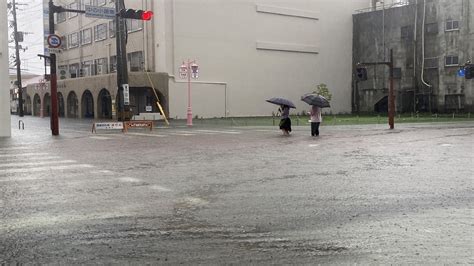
(30, 20)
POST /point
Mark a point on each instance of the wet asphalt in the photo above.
(237, 195)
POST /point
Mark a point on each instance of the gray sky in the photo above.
(30, 20)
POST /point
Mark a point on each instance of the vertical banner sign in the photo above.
(126, 94)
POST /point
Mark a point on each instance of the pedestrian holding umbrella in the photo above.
(285, 105)
(317, 102)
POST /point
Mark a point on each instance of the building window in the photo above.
(72, 6)
(452, 60)
(64, 42)
(86, 69)
(407, 33)
(86, 36)
(60, 17)
(73, 40)
(113, 64)
(134, 25)
(452, 25)
(100, 66)
(86, 3)
(135, 61)
(431, 62)
(112, 28)
(431, 28)
(397, 73)
(74, 70)
(99, 2)
(100, 32)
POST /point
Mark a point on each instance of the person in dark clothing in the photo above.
(285, 122)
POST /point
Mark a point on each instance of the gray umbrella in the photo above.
(315, 99)
(281, 101)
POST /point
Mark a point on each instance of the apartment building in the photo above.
(87, 64)
(431, 41)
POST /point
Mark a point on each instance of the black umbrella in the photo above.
(281, 101)
(315, 99)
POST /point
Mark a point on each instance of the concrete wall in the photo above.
(375, 33)
(5, 124)
(249, 51)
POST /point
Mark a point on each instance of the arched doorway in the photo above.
(36, 105)
(60, 105)
(72, 105)
(87, 104)
(104, 104)
(28, 110)
(47, 105)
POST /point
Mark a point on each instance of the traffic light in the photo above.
(361, 73)
(469, 71)
(136, 14)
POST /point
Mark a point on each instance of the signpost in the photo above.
(100, 12)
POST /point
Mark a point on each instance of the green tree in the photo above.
(322, 89)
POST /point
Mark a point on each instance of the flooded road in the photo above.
(237, 195)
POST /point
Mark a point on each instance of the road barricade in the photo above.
(107, 125)
(138, 124)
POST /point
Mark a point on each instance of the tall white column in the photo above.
(5, 126)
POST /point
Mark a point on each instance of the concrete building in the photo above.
(431, 40)
(5, 120)
(252, 50)
(247, 51)
(87, 82)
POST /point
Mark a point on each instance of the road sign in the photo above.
(126, 94)
(54, 41)
(53, 50)
(100, 12)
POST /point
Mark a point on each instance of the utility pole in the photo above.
(391, 94)
(122, 71)
(18, 61)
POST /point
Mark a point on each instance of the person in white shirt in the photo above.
(316, 119)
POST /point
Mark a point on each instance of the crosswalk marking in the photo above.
(145, 134)
(220, 131)
(23, 164)
(23, 154)
(45, 168)
(22, 159)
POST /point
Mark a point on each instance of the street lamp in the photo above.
(189, 70)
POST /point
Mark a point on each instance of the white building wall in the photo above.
(5, 119)
(223, 36)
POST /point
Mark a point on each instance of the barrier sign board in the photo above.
(139, 124)
(107, 125)
(100, 12)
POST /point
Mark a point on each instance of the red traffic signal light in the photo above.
(147, 15)
(136, 14)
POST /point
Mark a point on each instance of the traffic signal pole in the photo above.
(391, 94)
(122, 71)
(53, 78)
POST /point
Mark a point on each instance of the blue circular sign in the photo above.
(54, 41)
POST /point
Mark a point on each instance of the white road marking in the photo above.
(45, 168)
(313, 145)
(22, 164)
(19, 159)
(16, 148)
(145, 134)
(160, 188)
(23, 154)
(130, 179)
(99, 137)
(446, 145)
(181, 134)
(220, 131)
(107, 172)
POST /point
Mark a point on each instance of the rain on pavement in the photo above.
(237, 195)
